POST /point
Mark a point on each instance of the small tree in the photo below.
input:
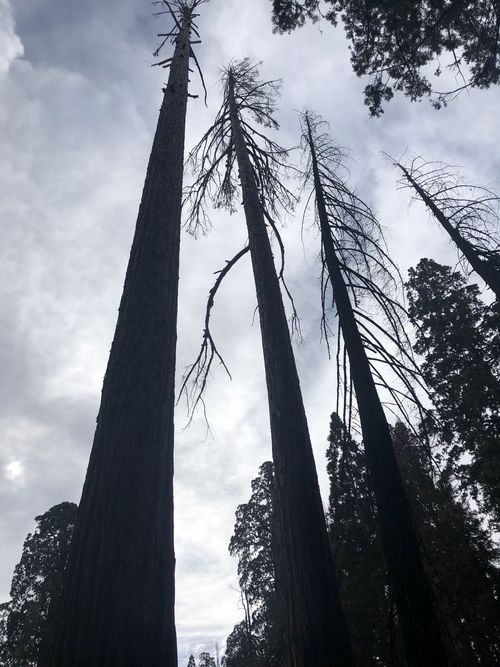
(317, 634)
(37, 584)
(206, 660)
(118, 602)
(191, 661)
(255, 542)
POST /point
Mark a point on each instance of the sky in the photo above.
(79, 107)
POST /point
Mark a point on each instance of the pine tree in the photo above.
(459, 555)
(316, 626)
(36, 584)
(191, 661)
(357, 549)
(206, 660)
(343, 236)
(118, 602)
(458, 340)
(255, 542)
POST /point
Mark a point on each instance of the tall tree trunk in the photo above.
(423, 643)
(483, 268)
(317, 634)
(118, 603)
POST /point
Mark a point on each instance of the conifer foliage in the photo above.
(394, 43)
(36, 585)
(458, 339)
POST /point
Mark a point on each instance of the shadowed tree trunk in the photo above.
(487, 269)
(422, 638)
(317, 633)
(118, 602)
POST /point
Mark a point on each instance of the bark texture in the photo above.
(414, 600)
(316, 633)
(483, 268)
(118, 603)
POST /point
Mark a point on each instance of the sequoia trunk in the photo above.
(420, 629)
(118, 603)
(316, 633)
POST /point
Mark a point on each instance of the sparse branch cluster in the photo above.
(471, 209)
(371, 277)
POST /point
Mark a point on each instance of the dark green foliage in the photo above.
(37, 582)
(258, 640)
(357, 549)
(457, 336)
(458, 555)
(206, 660)
(394, 42)
(191, 661)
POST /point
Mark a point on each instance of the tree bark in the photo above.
(419, 626)
(317, 634)
(483, 268)
(118, 603)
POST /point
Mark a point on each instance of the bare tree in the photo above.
(316, 633)
(468, 213)
(358, 269)
(118, 602)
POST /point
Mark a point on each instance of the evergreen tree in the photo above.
(206, 660)
(191, 661)
(394, 42)
(259, 638)
(357, 549)
(118, 602)
(36, 584)
(458, 340)
(317, 634)
(352, 256)
(459, 555)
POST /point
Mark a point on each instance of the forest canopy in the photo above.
(400, 45)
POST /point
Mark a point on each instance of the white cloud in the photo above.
(77, 117)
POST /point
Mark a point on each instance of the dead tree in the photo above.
(118, 601)
(468, 213)
(358, 268)
(316, 630)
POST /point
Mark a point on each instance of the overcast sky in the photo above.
(79, 104)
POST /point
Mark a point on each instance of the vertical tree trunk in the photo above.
(317, 634)
(118, 603)
(423, 643)
(483, 268)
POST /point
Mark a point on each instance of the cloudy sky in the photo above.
(77, 116)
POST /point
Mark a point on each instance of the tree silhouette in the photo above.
(468, 214)
(316, 627)
(348, 245)
(458, 340)
(118, 602)
(394, 43)
(36, 585)
(255, 542)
